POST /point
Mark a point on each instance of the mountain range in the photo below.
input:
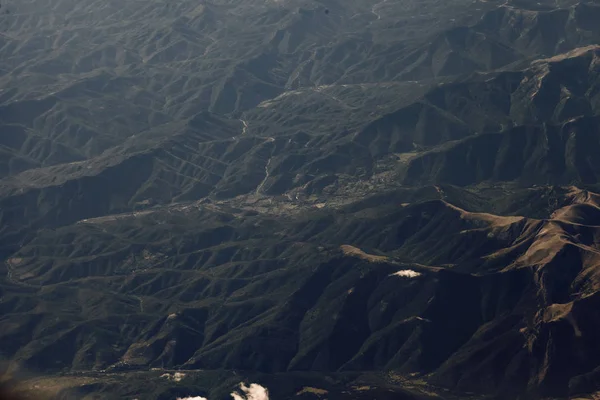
(333, 199)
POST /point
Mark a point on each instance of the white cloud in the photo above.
(192, 398)
(407, 273)
(252, 392)
(177, 376)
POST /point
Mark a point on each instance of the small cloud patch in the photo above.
(177, 377)
(407, 273)
(252, 392)
(192, 398)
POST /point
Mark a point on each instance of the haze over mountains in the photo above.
(334, 199)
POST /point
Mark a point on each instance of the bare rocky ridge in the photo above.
(354, 199)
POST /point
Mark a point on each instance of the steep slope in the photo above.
(191, 286)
